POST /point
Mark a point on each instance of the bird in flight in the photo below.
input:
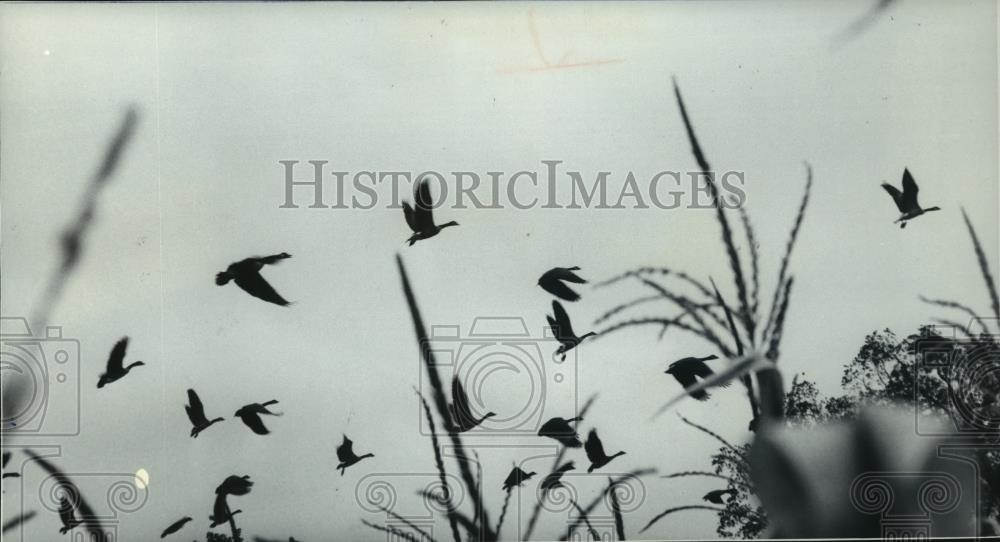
(420, 217)
(561, 430)
(196, 413)
(220, 512)
(554, 479)
(516, 478)
(346, 455)
(175, 526)
(460, 410)
(687, 371)
(115, 370)
(246, 273)
(250, 414)
(67, 516)
(235, 485)
(563, 330)
(906, 201)
(595, 452)
(715, 496)
(554, 282)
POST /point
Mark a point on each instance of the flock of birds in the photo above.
(419, 217)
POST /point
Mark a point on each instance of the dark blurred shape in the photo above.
(88, 517)
(72, 238)
(18, 521)
(873, 477)
(864, 22)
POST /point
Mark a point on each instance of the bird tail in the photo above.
(222, 278)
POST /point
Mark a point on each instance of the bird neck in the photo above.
(366, 455)
(446, 224)
(133, 364)
(617, 454)
(588, 334)
(929, 209)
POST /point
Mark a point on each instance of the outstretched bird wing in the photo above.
(345, 452)
(897, 196)
(557, 288)
(6, 459)
(195, 410)
(117, 356)
(567, 274)
(562, 320)
(909, 190)
(699, 368)
(460, 403)
(423, 215)
(252, 283)
(411, 219)
(594, 447)
(687, 379)
(253, 421)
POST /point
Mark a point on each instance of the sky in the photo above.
(226, 92)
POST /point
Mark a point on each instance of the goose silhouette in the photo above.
(115, 369)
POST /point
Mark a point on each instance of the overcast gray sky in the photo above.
(227, 91)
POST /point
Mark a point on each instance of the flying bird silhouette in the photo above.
(595, 452)
(715, 496)
(420, 217)
(687, 371)
(553, 281)
(220, 511)
(175, 526)
(516, 478)
(196, 413)
(563, 330)
(906, 201)
(67, 516)
(250, 414)
(346, 455)
(246, 274)
(554, 479)
(115, 370)
(235, 485)
(460, 410)
(561, 430)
